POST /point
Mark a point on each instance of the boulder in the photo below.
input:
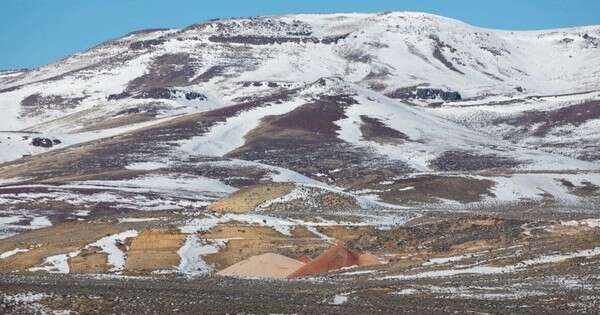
(42, 142)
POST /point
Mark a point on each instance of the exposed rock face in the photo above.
(118, 96)
(271, 40)
(159, 93)
(194, 96)
(156, 93)
(145, 44)
(404, 93)
(424, 93)
(429, 93)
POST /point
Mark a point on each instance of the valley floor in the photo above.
(437, 263)
(576, 292)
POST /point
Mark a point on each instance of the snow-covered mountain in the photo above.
(393, 109)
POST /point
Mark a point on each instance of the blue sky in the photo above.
(37, 32)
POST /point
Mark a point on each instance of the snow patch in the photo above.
(108, 245)
(13, 252)
(191, 254)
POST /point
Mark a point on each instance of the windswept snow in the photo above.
(13, 252)
(191, 254)
(339, 299)
(485, 270)
(57, 263)
(146, 166)
(227, 136)
(109, 245)
(430, 136)
(173, 183)
(313, 230)
(12, 222)
(537, 186)
(593, 223)
(137, 220)
(445, 260)
(284, 226)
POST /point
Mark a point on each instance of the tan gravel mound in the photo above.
(248, 198)
(269, 265)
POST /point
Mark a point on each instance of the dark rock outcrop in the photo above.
(128, 111)
(190, 96)
(156, 93)
(429, 93)
(42, 142)
(114, 97)
(424, 93)
(159, 94)
(145, 44)
(271, 40)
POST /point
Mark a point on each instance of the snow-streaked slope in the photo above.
(430, 136)
(188, 96)
(393, 50)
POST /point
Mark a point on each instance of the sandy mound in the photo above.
(334, 258)
(248, 198)
(268, 265)
(305, 259)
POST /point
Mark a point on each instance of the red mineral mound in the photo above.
(334, 258)
(305, 259)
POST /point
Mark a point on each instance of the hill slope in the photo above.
(399, 109)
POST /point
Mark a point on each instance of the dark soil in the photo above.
(373, 129)
(575, 115)
(467, 161)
